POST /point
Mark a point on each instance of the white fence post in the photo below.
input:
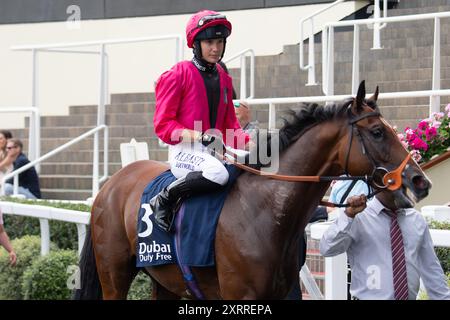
(45, 236)
(355, 69)
(81, 229)
(336, 277)
(435, 101)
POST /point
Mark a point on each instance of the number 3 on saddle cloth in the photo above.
(192, 243)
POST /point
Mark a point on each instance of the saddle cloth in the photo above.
(192, 244)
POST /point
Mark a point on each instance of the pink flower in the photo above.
(416, 155)
(401, 136)
(419, 144)
(436, 124)
(430, 133)
(423, 125)
(438, 115)
(447, 108)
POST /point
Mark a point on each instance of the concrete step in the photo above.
(63, 181)
(73, 132)
(395, 113)
(48, 144)
(83, 156)
(75, 168)
(418, 4)
(117, 98)
(91, 120)
(135, 107)
(66, 194)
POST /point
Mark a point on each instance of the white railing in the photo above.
(328, 51)
(311, 51)
(272, 102)
(95, 170)
(44, 214)
(103, 96)
(242, 54)
(34, 131)
(336, 267)
(104, 76)
(311, 58)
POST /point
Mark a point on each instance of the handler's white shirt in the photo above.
(366, 239)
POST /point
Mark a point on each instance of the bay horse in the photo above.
(257, 236)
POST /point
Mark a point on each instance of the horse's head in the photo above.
(373, 148)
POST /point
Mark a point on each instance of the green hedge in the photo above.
(53, 204)
(63, 234)
(27, 249)
(442, 253)
(47, 278)
(141, 288)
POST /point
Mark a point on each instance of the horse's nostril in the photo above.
(420, 183)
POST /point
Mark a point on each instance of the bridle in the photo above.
(391, 180)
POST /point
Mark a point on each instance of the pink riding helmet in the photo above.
(202, 20)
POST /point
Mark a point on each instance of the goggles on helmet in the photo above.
(209, 18)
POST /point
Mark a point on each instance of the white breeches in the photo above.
(185, 158)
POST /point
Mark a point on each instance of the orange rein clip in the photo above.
(393, 179)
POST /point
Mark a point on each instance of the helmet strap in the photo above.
(197, 49)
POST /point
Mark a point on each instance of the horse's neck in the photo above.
(314, 153)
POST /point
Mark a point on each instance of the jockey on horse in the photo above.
(191, 98)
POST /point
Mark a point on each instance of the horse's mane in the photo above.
(308, 115)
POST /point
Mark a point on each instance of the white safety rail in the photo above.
(104, 76)
(34, 140)
(242, 54)
(44, 214)
(103, 97)
(272, 102)
(328, 51)
(336, 267)
(311, 51)
(95, 170)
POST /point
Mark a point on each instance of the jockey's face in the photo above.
(212, 49)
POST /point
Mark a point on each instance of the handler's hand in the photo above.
(356, 205)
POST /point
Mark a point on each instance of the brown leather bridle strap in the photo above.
(275, 176)
(289, 178)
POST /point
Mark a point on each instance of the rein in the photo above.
(392, 180)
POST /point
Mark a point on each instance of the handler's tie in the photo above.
(398, 259)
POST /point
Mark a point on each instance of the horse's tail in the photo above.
(90, 287)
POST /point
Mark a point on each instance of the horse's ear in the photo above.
(359, 100)
(374, 97)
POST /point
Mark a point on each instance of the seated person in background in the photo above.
(28, 180)
(389, 250)
(5, 164)
(244, 115)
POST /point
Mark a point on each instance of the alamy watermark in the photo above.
(74, 279)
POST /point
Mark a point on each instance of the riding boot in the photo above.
(169, 200)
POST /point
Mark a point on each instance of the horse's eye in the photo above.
(377, 133)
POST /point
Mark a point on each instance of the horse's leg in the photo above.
(116, 265)
(161, 293)
(116, 279)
